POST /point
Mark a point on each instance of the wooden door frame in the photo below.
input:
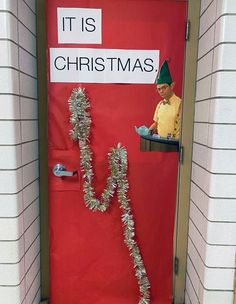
(182, 213)
(43, 149)
(184, 174)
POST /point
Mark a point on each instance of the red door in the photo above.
(89, 262)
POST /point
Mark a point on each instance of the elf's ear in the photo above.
(172, 85)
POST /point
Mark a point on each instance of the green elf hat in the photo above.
(164, 74)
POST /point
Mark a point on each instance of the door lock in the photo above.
(59, 171)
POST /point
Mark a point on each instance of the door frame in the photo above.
(183, 193)
(43, 148)
(185, 164)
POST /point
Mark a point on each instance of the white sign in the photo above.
(87, 65)
(79, 25)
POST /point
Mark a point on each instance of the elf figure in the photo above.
(167, 114)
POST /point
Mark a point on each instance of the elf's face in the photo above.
(165, 90)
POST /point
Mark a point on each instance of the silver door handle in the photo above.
(59, 170)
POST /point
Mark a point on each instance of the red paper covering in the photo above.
(89, 262)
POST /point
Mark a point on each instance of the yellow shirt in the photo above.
(167, 116)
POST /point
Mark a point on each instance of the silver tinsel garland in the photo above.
(81, 121)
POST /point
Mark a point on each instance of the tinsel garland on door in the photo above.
(117, 181)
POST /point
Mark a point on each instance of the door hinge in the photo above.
(187, 30)
(181, 154)
(176, 265)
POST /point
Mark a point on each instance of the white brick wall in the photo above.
(19, 203)
(212, 228)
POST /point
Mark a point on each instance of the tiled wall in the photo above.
(19, 204)
(212, 228)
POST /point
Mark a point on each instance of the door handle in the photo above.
(59, 171)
